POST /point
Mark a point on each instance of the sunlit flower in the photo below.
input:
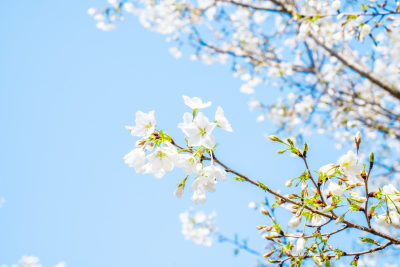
(162, 160)
(188, 163)
(318, 220)
(294, 221)
(300, 245)
(198, 228)
(335, 5)
(252, 205)
(30, 261)
(335, 189)
(221, 120)
(364, 31)
(145, 124)
(328, 169)
(136, 159)
(199, 131)
(205, 182)
(349, 164)
(195, 102)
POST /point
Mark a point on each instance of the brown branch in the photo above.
(390, 88)
(251, 6)
(310, 236)
(369, 250)
(367, 196)
(380, 247)
(349, 224)
(330, 216)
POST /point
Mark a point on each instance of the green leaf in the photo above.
(282, 151)
(328, 263)
(354, 262)
(364, 7)
(262, 186)
(368, 240)
(238, 178)
(194, 112)
(295, 150)
(290, 141)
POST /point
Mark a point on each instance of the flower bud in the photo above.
(371, 160)
(294, 221)
(264, 211)
(300, 244)
(268, 254)
(274, 138)
(357, 140)
(181, 186)
(364, 31)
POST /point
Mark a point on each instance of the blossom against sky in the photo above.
(67, 90)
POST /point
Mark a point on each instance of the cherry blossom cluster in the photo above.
(198, 227)
(157, 153)
(335, 67)
(338, 61)
(337, 198)
(324, 204)
(32, 261)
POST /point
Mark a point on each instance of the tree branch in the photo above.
(346, 222)
(390, 88)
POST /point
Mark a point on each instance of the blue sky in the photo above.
(66, 92)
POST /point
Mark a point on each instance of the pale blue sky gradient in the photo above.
(66, 92)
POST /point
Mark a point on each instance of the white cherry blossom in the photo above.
(294, 221)
(92, 11)
(318, 220)
(162, 160)
(349, 164)
(336, 5)
(101, 25)
(175, 52)
(328, 169)
(199, 131)
(200, 186)
(215, 172)
(392, 220)
(30, 261)
(335, 189)
(364, 31)
(195, 102)
(390, 189)
(394, 197)
(221, 120)
(145, 124)
(179, 191)
(198, 228)
(300, 245)
(252, 205)
(206, 181)
(136, 158)
(356, 196)
(188, 163)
